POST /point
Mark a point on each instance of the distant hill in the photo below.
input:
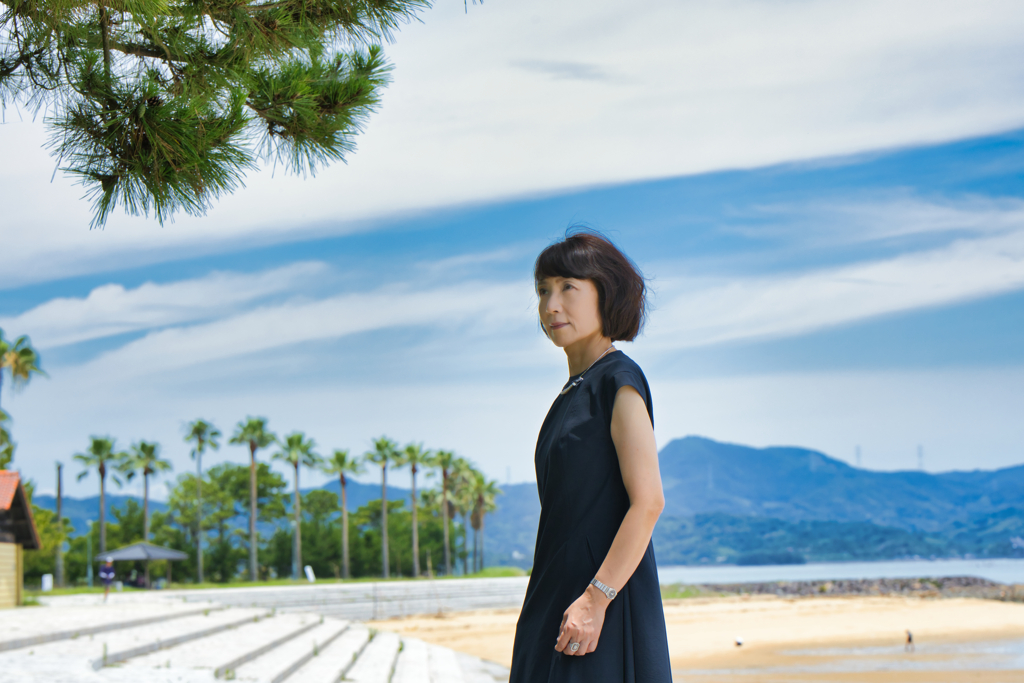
(79, 510)
(703, 476)
(726, 500)
(721, 538)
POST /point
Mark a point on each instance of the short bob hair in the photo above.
(621, 290)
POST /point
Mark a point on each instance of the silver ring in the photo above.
(573, 647)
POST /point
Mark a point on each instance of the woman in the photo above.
(593, 607)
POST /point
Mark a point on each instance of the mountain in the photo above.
(727, 501)
(79, 511)
(704, 476)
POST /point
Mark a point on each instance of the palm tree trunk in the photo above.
(60, 526)
(481, 542)
(465, 543)
(145, 516)
(199, 515)
(444, 520)
(415, 531)
(384, 519)
(103, 511)
(297, 564)
(252, 512)
(344, 530)
(476, 565)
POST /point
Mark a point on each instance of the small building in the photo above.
(17, 534)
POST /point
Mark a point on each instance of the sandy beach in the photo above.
(807, 639)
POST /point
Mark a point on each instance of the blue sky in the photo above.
(828, 201)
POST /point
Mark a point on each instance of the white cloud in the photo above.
(866, 219)
(701, 313)
(488, 307)
(112, 309)
(690, 87)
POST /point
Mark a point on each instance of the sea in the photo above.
(1007, 571)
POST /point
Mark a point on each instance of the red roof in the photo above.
(16, 521)
(8, 487)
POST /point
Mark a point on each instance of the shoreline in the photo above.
(702, 632)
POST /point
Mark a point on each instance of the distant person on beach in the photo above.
(909, 646)
(593, 607)
(107, 576)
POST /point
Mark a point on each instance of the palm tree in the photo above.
(297, 450)
(99, 455)
(444, 460)
(254, 434)
(19, 359)
(6, 443)
(484, 495)
(342, 464)
(461, 479)
(414, 456)
(144, 458)
(385, 452)
(205, 436)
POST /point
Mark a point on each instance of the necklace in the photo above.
(579, 379)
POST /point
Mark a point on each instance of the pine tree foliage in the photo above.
(160, 106)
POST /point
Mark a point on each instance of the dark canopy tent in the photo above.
(145, 552)
(142, 551)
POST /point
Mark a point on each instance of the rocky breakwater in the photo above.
(946, 587)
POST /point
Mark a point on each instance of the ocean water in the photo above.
(1001, 570)
(968, 660)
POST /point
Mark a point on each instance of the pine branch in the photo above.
(161, 107)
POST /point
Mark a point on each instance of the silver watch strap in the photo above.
(607, 590)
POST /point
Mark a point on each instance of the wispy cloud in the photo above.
(568, 71)
(865, 218)
(697, 87)
(112, 309)
(490, 307)
(703, 313)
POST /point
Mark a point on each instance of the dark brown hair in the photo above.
(621, 290)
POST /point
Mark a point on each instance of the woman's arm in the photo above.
(633, 436)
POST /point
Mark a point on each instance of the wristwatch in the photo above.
(609, 592)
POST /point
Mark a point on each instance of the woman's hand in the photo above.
(582, 623)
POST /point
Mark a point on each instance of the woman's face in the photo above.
(568, 309)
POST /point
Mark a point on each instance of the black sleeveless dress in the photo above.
(583, 502)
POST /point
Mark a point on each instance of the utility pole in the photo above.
(60, 528)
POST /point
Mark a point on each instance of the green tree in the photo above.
(204, 435)
(484, 494)
(461, 480)
(444, 461)
(384, 453)
(319, 528)
(7, 444)
(253, 433)
(17, 358)
(51, 536)
(344, 465)
(297, 450)
(144, 458)
(414, 456)
(163, 105)
(100, 455)
(225, 499)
